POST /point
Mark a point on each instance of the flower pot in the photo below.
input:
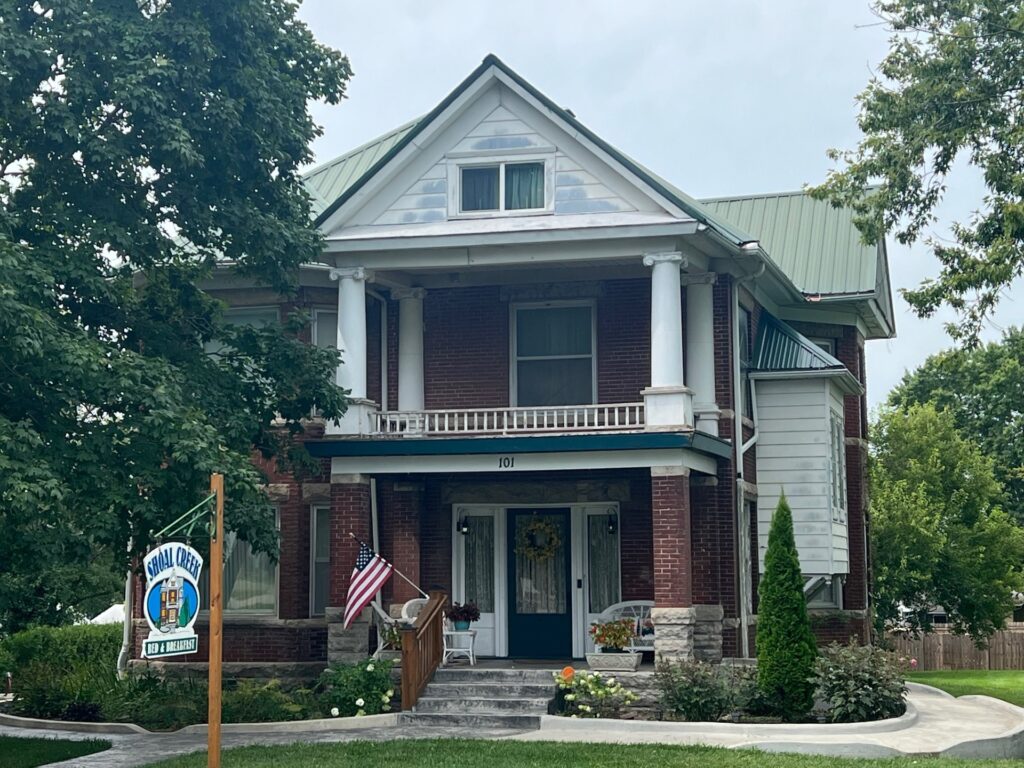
(461, 626)
(614, 662)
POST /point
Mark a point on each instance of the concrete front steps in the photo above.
(484, 698)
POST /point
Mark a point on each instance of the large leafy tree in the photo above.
(983, 388)
(142, 144)
(939, 537)
(950, 87)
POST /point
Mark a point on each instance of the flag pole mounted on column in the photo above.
(216, 623)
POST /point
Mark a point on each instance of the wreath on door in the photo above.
(538, 540)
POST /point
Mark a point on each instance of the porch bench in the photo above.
(639, 611)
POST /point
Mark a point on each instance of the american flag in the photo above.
(369, 575)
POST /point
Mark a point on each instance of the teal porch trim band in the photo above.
(454, 446)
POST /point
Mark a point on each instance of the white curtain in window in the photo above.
(479, 563)
(250, 579)
(540, 583)
(602, 561)
(326, 331)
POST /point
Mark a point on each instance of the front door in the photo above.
(540, 606)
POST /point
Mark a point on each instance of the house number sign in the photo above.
(506, 462)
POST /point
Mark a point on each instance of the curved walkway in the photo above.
(936, 724)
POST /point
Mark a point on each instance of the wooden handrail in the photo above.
(422, 648)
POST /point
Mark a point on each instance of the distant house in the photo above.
(572, 385)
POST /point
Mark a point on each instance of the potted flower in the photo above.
(462, 614)
(611, 639)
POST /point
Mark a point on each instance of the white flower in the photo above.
(334, 712)
(370, 667)
(391, 692)
(360, 702)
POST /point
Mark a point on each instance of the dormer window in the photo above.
(496, 187)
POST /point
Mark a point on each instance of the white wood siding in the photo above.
(792, 456)
(501, 132)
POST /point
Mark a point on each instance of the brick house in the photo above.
(572, 385)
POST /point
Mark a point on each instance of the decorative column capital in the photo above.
(350, 273)
(397, 294)
(650, 259)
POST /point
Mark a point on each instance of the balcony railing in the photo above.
(610, 417)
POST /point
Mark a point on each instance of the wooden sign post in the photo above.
(216, 624)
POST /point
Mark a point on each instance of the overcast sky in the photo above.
(720, 97)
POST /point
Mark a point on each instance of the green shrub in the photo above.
(257, 702)
(785, 646)
(697, 691)
(589, 694)
(157, 703)
(62, 672)
(860, 683)
(356, 689)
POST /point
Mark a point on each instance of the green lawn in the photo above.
(1007, 685)
(512, 754)
(16, 752)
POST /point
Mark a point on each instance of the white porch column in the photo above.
(352, 345)
(410, 348)
(667, 402)
(700, 350)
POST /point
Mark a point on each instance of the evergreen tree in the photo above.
(785, 646)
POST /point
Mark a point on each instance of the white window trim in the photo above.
(235, 309)
(837, 466)
(513, 395)
(454, 172)
(316, 322)
(827, 344)
(313, 509)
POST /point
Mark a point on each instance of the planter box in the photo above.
(614, 662)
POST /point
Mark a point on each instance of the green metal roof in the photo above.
(780, 348)
(327, 182)
(816, 245)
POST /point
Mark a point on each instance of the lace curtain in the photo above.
(541, 583)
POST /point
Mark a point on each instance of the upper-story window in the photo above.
(325, 327)
(501, 186)
(553, 354)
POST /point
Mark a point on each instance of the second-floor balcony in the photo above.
(604, 417)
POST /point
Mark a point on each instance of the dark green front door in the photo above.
(540, 606)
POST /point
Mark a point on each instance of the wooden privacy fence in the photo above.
(942, 649)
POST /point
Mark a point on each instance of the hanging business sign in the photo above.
(172, 600)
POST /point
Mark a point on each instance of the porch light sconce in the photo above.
(613, 525)
(462, 526)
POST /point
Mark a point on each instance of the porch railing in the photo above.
(422, 648)
(602, 417)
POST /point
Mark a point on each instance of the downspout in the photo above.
(739, 449)
(122, 655)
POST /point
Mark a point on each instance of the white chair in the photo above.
(639, 611)
(457, 642)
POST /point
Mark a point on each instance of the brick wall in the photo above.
(399, 505)
(350, 512)
(253, 641)
(673, 576)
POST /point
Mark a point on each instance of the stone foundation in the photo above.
(686, 634)
(347, 645)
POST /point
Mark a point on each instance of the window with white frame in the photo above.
(257, 317)
(250, 578)
(325, 327)
(837, 466)
(320, 558)
(513, 185)
(553, 359)
(828, 345)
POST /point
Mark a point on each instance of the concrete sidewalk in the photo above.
(935, 724)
